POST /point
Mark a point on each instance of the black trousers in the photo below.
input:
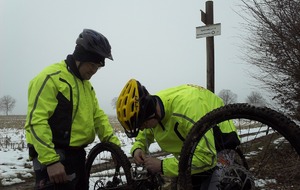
(74, 163)
(201, 181)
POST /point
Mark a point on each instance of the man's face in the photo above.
(88, 69)
(151, 123)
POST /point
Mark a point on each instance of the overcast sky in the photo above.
(153, 41)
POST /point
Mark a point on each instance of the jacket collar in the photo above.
(70, 61)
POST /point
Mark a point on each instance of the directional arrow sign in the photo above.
(208, 30)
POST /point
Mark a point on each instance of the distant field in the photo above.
(18, 121)
(12, 121)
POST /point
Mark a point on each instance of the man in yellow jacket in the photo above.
(64, 116)
(167, 118)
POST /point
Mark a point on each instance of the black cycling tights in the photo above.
(74, 162)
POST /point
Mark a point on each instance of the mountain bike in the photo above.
(108, 167)
(267, 158)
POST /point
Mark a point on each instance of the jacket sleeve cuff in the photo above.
(52, 163)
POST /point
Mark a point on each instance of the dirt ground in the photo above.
(27, 185)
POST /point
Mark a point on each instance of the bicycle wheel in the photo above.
(269, 141)
(108, 167)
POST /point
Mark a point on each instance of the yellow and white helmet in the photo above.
(134, 106)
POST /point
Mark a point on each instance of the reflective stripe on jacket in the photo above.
(63, 112)
(184, 105)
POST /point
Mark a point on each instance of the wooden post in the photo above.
(208, 19)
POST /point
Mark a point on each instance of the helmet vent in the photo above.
(124, 112)
(125, 100)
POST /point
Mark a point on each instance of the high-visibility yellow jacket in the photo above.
(63, 112)
(183, 105)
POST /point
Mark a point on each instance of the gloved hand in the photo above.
(139, 156)
(56, 173)
(153, 164)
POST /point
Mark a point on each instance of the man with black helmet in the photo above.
(64, 116)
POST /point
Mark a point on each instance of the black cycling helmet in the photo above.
(94, 42)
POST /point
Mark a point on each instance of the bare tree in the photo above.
(256, 99)
(7, 104)
(274, 48)
(228, 96)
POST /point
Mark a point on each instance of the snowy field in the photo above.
(16, 168)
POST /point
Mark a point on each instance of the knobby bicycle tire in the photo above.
(266, 116)
(117, 160)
